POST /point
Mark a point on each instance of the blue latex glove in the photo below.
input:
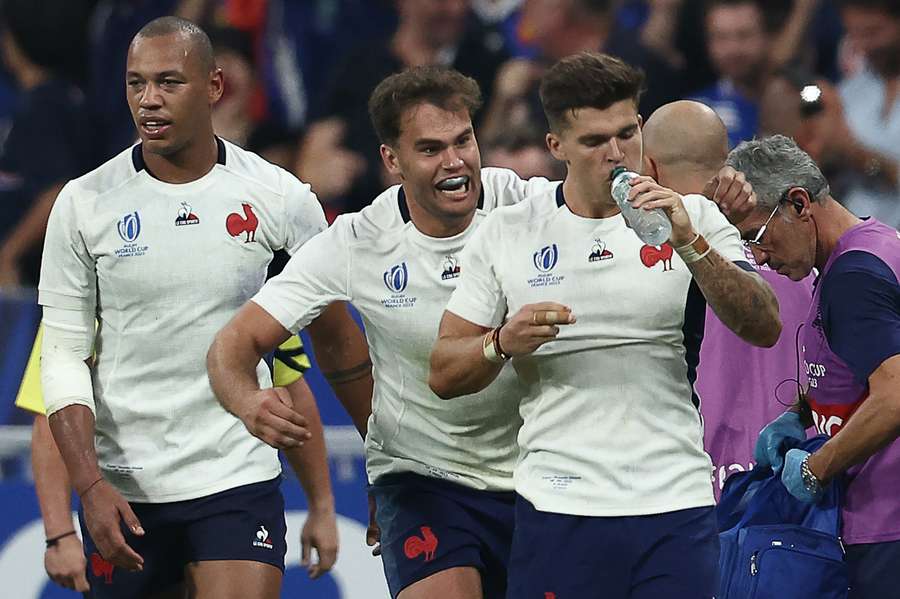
(770, 446)
(793, 479)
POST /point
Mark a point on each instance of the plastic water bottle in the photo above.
(651, 226)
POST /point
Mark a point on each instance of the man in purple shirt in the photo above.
(740, 387)
(851, 352)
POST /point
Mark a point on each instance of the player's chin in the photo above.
(162, 147)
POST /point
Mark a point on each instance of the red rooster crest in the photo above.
(101, 567)
(415, 546)
(651, 255)
(236, 224)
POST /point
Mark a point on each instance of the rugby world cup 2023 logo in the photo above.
(546, 257)
(396, 279)
(130, 227)
(545, 260)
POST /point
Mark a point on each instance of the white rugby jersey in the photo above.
(165, 267)
(611, 427)
(400, 280)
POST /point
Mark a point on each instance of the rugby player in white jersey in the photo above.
(441, 473)
(161, 245)
(614, 497)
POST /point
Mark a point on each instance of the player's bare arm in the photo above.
(467, 357)
(64, 558)
(104, 506)
(742, 300)
(343, 357)
(873, 427)
(310, 464)
(231, 363)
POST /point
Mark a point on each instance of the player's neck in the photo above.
(187, 164)
(436, 226)
(831, 221)
(587, 202)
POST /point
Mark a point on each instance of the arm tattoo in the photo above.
(742, 300)
(348, 375)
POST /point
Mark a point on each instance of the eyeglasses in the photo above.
(757, 239)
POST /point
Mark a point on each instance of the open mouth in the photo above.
(153, 127)
(454, 187)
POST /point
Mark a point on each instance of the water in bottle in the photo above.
(651, 226)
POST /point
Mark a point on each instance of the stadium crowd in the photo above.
(334, 93)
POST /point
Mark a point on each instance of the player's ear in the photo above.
(389, 158)
(553, 144)
(649, 168)
(216, 85)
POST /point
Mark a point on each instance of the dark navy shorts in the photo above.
(429, 525)
(243, 523)
(664, 556)
(874, 570)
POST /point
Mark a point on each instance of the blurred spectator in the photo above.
(523, 150)
(338, 156)
(233, 115)
(50, 141)
(232, 118)
(748, 40)
(558, 28)
(294, 42)
(865, 134)
(738, 45)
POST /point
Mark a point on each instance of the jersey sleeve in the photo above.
(68, 272)
(315, 276)
(860, 304)
(711, 223)
(29, 396)
(509, 188)
(303, 217)
(478, 296)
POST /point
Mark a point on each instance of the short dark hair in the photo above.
(189, 30)
(891, 7)
(443, 87)
(588, 80)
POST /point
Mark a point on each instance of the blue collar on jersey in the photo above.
(137, 157)
(560, 198)
(404, 207)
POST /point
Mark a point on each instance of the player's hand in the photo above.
(373, 532)
(647, 194)
(776, 438)
(319, 532)
(104, 511)
(269, 415)
(733, 193)
(533, 326)
(66, 565)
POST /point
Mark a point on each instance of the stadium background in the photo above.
(297, 76)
